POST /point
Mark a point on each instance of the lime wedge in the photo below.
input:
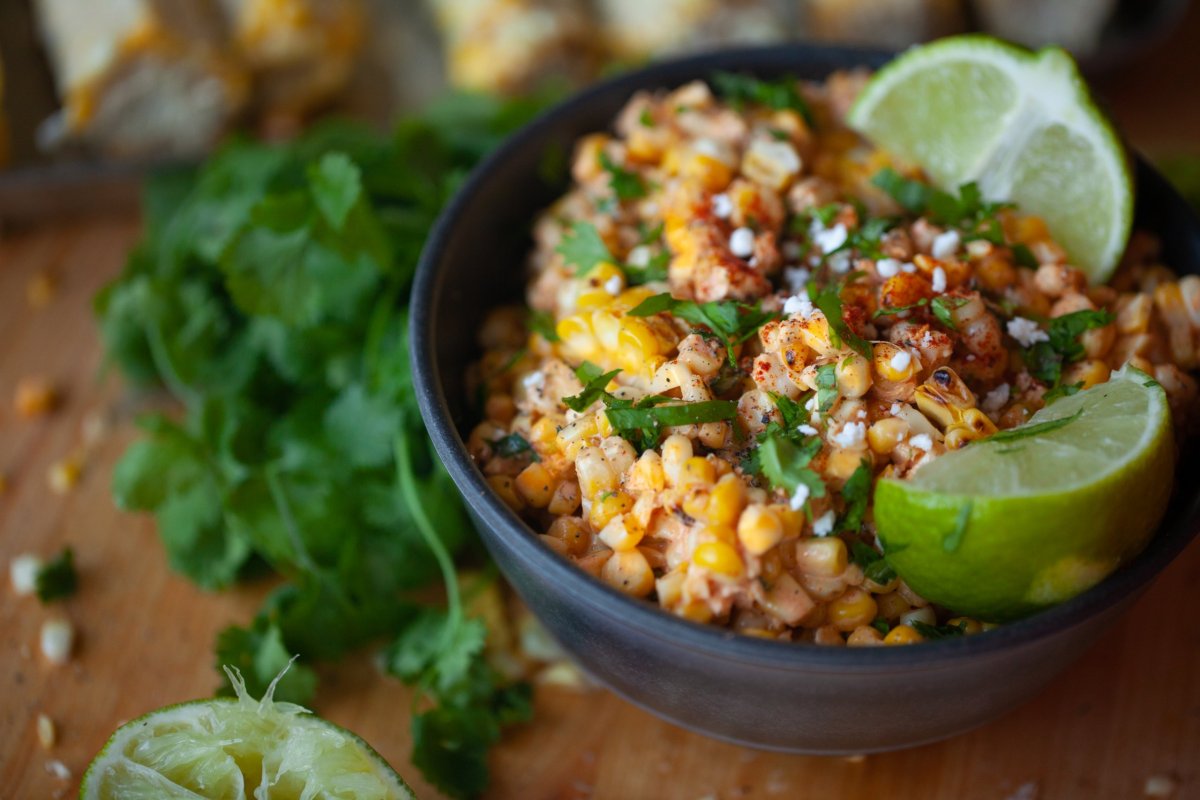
(1020, 124)
(1037, 514)
(238, 749)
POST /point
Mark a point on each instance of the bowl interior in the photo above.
(475, 259)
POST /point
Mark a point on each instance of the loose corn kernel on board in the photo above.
(1128, 711)
(741, 315)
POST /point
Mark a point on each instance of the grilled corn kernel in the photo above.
(607, 506)
(719, 533)
(557, 545)
(621, 533)
(725, 501)
(535, 485)
(1090, 372)
(759, 529)
(864, 636)
(696, 611)
(842, 463)
(543, 435)
(697, 470)
(577, 432)
(676, 450)
(695, 501)
(596, 476)
(629, 571)
(903, 634)
(504, 486)
(853, 609)
(891, 605)
(620, 454)
(669, 587)
(814, 332)
(853, 376)
(885, 434)
(824, 557)
(573, 533)
(719, 557)
(576, 335)
(893, 363)
(648, 472)
(712, 173)
(829, 636)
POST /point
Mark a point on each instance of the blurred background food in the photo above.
(136, 81)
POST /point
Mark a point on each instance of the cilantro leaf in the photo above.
(783, 94)
(968, 211)
(1046, 360)
(827, 391)
(626, 185)
(734, 322)
(56, 579)
(583, 248)
(829, 300)
(939, 631)
(874, 565)
(654, 270)
(514, 445)
(595, 385)
(643, 425)
(258, 652)
(943, 308)
(857, 495)
(784, 462)
(542, 323)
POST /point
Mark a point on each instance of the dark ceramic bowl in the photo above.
(768, 694)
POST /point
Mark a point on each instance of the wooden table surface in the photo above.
(1127, 711)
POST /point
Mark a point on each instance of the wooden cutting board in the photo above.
(1128, 710)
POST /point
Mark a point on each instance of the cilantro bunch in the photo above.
(268, 297)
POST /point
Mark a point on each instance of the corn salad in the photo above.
(741, 315)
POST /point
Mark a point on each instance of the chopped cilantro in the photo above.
(734, 322)
(626, 185)
(56, 579)
(646, 118)
(827, 389)
(595, 385)
(1060, 391)
(882, 626)
(655, 270)
(642, 424)
(1023, 256)
(783, 94)
(943, 307)
(939, 631)
(856, 494)
(969, 212)
(784, 461)
(583, 248)
(874, 565)
(1045, 360)
(830, 302)
(542, 323)
(514, 445)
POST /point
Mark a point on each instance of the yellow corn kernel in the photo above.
(814, 333)
(633, 297)
(695, 502)
(557, 545)
(669, 587)
(944, 397)
(892, 605)
(821, 557)
(852, 610)
(636, 342)
(759, 529)
(606, 324)
(586, 166)
(535, 485)
(903, 634)
(725, 501)
(575, 331)
(607, 506)
(593, 299)
(792, 520)
(865, 636)
(885, 434)
(596, 476)
(712, 173)
(719, 557)
(697, 471)
(696, 611)
(629, 571)
(543, 435)
(853, 376)
(828, 636)
(648, 472)
(595, 292)
(621, 533)
(580, 430)
(503, 486)
(676, 450)
(893, 363)
(566, 498)
(718, 533)
(643, 145)
(1089, 372)
(842, 463)
(573, 533)
(969, 626)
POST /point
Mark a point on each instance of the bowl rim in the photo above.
(519, 540)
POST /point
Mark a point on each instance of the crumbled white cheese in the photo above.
(839, 262)
(851, 434)
(58, 769)
(887, 267)
(811, 404)
(946, 244)
(798, 304)
(722, 206)
(939, 279)
(22, 571)
(894, 410)
(901, 361)
(922, 441)
(741, 243)
(534, 380)
(860, 414)
(807, 430)
(796, 278)
(56, 638)
(995, 399)
(910, 268)
(830, 239)
(613, 285)
(1026, 332)
(799, 498)
(639, 256)
(708, 147)
(823, 525)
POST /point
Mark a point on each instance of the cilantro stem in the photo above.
(166, 369)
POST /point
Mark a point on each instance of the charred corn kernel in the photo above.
(864, 636)
(759, 529)
(504, 486)
(34, 397)
(825, 557)
(536, 485)
(607, 506)
(828, 635)
(1134, 313)
(771, 162)
(648, 472)
(903, 634)
(669, 587)
(596, 476)
(697, 470)
(891, 605)
(557, 545)
(853, 376)
(629, 571)
(573, 533)
(676, 451)
(725, 501)
(621, 533)
(893, 363)
(852, 610)
(1090, 373)
(63, 475)
(969, 626)
(885, 434)
(944, 397)
(543, 434)
(566, 498)
(719, 557)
